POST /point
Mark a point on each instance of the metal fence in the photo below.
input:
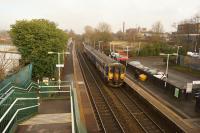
(54, 89)
(15, 107)
(20, 79)
(17, 101)
(191, 62)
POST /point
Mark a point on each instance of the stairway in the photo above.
(54, 116)
(46, 123)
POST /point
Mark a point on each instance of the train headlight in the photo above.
(110, 75)
(122, 76)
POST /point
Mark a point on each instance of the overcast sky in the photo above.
(75, 14)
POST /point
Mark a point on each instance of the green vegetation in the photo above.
(34, 39)
(157, 48)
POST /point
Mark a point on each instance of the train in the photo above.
(112, 72)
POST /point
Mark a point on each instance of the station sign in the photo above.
(176, 92)
(189, 88)
(196, 82)
(59, 65)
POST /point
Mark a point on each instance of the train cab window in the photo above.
(111, 69)
(116, 69)
(122, 69)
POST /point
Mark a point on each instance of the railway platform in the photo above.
(161, 105)
(85, 116)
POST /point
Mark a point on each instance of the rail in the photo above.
(29, 88)
(102, 95)
(17, 99)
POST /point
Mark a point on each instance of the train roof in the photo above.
(100, 56)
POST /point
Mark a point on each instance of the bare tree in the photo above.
(104, 27)
(4, 63)
(157, 27)
(89, 34)
(131, 34)
(103, 32)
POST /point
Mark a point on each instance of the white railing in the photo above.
(7, 126)
(19, 88)
(72, 111)
(17, 99)
(71, 100)
(5, 86)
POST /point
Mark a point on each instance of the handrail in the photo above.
(5, 86)
(31, 84)
(43, 86)
(72, 110)
(53, 91)
(16, 114)
(6, 96)
(17, 99)
(20, 88)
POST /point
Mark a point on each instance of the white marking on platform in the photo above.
(81, 82)
(48, 119)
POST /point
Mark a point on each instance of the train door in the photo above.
(116, 73)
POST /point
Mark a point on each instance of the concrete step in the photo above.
(46, 123)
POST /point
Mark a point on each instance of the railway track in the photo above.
(129, 116)
(107, 120)
(126, 120)
(147, 124)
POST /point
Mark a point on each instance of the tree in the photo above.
(103, 32)
(3, 65)
(89, 34)
(119, 35)
(131, 34)
(34, 39)
(104, 27)
(157, 29)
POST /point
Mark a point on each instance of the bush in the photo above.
(34, 39)
(156, 49)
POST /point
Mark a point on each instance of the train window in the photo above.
(111, 69)
(116, 69)
(122, 69)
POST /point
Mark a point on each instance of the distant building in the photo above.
(189, 28)
(188, 32)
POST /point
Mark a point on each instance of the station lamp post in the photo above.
(100, 45)
(126, 54)
(110, 47)
(166, 71)
(139, 44)
(113, 47)
(59, 65)
(178, 47)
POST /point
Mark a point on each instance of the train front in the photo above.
(116, 74)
